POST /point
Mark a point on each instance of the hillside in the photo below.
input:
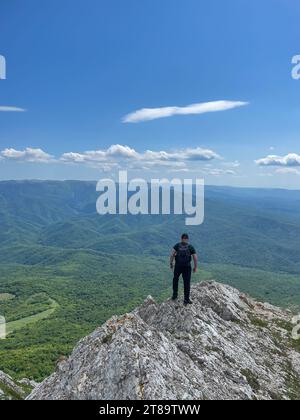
(67, 270)
(225, 346)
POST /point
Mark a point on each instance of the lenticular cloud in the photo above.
(148, 114)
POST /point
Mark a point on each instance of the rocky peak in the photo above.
(225, 346)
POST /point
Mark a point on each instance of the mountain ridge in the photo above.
(225, 346)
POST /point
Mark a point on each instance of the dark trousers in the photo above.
(186, 272)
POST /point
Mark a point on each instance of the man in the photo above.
(183, 253)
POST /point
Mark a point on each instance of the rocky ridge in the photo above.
(14, 390)
(225, 346)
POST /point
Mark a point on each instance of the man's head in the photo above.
(185, 238)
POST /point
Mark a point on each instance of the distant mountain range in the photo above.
(250, 227)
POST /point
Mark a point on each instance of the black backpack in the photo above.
(183, 255)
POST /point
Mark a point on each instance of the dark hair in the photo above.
(184, 236)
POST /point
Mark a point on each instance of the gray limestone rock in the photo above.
(224, 346)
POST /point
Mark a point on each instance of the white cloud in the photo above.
(148, 114)
(27, 155)
(196, 154)
(235, 164)
(206, 170)
(292, 159)
(11, 109)
(118, 156)
(145, 160)
(221, 172)
(287, 171)
(115, 151)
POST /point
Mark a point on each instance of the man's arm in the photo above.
(195, 258)
(172, 257)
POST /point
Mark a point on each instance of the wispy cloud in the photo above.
(221, 172)
(27, 155)
(292, 159)
(196, 154)
(206, 170)
(11, 109)
(148, 114)
(288, 171)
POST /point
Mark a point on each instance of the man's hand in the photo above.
(195, 269)
(172, 266)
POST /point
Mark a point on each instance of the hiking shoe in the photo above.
(174, 297)
(187, 302)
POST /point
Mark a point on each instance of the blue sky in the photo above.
(78, 68)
